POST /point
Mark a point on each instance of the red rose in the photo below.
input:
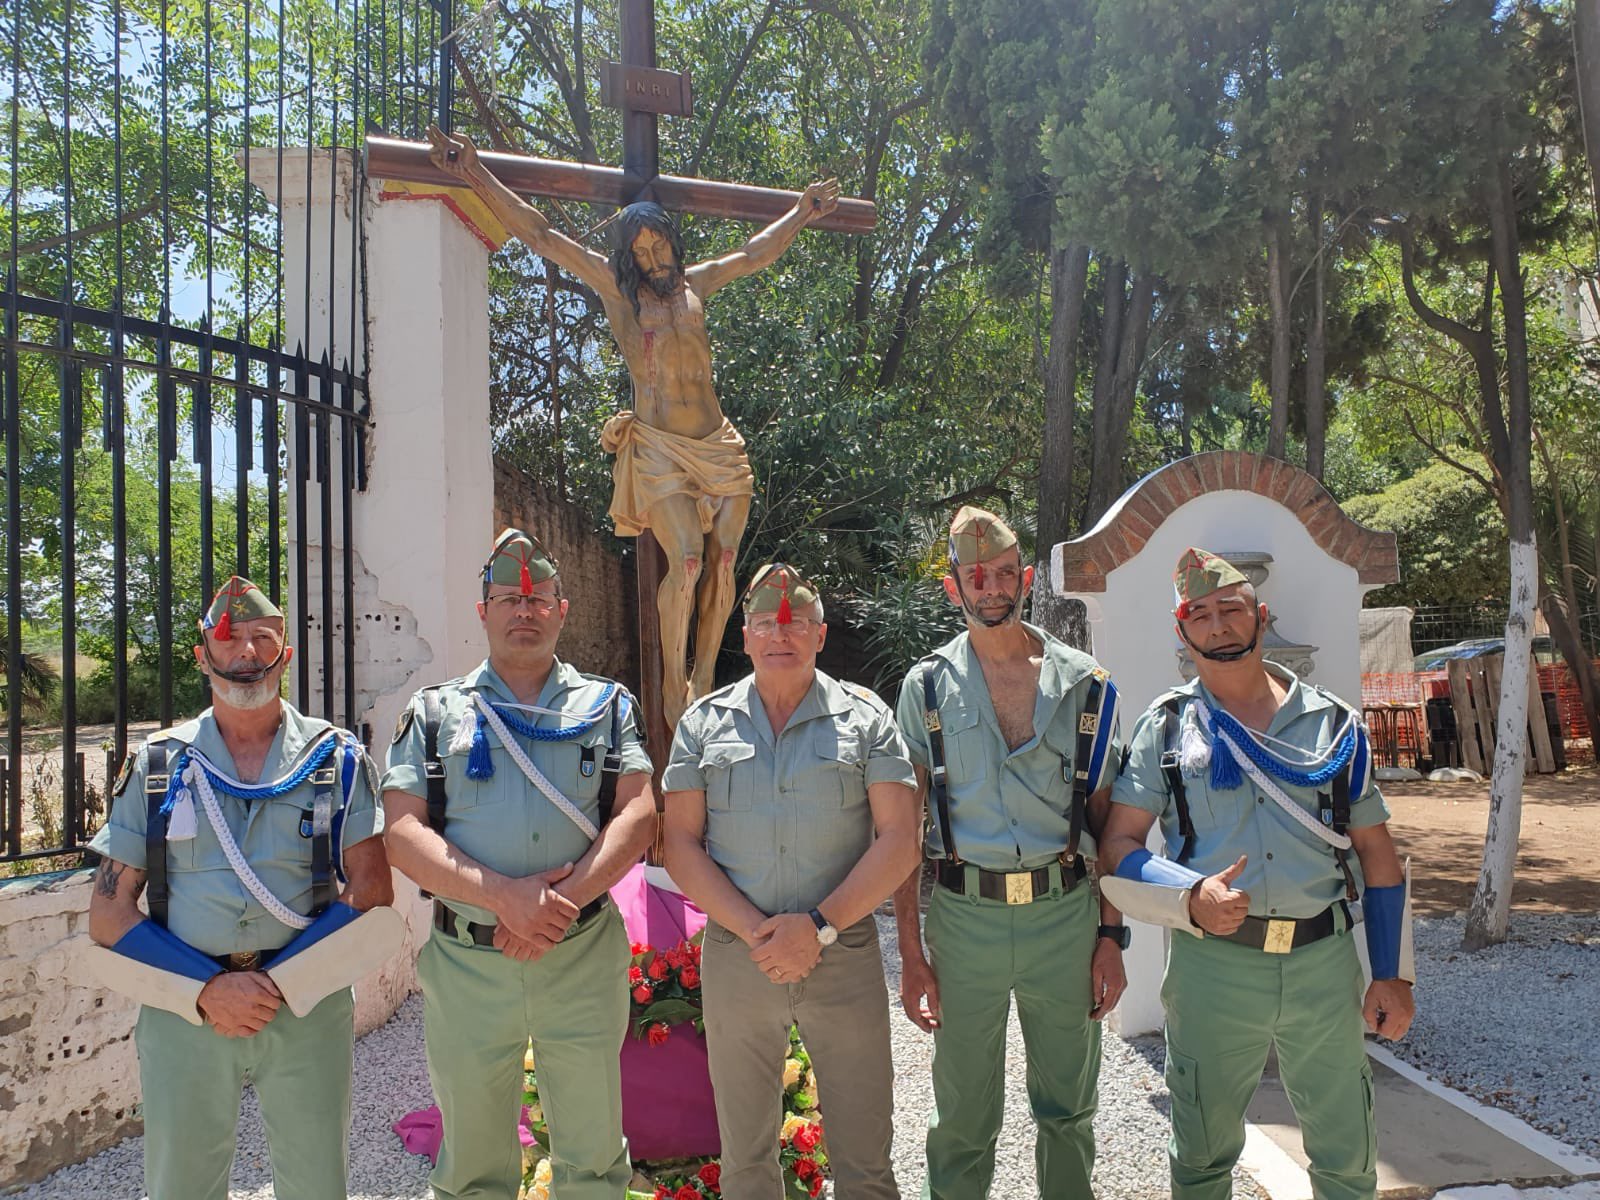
(711, 1175)
(663, 1192)
(657, 1033)
(816, 1182)
(688, 1192)
(657, 969)
(638, 948)
(635, 976)
(694, 951)
(805, 1168)
(642, 994)
(807, 1138)
(675, 957)
(690, 976)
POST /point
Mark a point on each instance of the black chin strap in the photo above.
(991, 622)
(1224, 655)
(252, 675)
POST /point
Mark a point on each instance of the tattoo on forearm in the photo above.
(108, 877)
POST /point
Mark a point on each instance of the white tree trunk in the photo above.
(1489, 915)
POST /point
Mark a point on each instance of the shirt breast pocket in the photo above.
(965, 759)
(837, 773)
(730, 769)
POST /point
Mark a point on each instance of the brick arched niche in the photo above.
(1082, 564)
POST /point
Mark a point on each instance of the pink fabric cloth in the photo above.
(667, 1105)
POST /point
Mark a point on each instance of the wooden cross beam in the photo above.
(642, 92)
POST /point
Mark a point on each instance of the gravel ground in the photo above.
(1513, 1025)
(392, 1079)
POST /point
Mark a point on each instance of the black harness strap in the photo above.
(611, 766)
(1336, 816)
(1174, 777)
(432, 764)
(1088, 728)
(155, 830)
(323, 782)
(938, 784)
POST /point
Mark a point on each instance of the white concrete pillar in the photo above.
(421, 528)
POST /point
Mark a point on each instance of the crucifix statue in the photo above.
(681, 473)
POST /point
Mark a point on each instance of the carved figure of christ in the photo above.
(681, 471)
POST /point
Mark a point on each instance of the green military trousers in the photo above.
(192, 1078)
(479, 1010)
(1226, 1006)
(982, 951)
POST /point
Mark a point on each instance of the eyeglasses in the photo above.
(763, 627)
(508, 603)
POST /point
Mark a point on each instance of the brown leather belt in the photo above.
(1279, 935)
(448, 922)
(241, 960)
(1014, 887)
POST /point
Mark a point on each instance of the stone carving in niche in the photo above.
(1256, 566)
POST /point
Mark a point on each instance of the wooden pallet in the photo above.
(1475, 696)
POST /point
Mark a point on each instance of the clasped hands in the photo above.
(534, 916)
(239, 1004)
(785, 947)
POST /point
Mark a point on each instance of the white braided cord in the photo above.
(534, 775)
(1270, 786)
(195, 777)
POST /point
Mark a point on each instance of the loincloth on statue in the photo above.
(653, 464)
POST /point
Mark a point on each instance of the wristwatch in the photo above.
(1120, 934)
(826, 934)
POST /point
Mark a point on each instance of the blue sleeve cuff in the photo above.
(149, 943)
(1382, 912)
(1143, 867)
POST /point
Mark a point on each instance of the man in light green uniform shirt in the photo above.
(790, 815)
(510, 837)
(192, 1074)
(1262, 956)
(1019, 747)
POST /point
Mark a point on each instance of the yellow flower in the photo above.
(790, 1124)
(541, 1173)
(791, 1072)
(527, 1058)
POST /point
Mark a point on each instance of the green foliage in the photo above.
(1451, 538)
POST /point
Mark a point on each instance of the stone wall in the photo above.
(601, 631)
(69, 1074)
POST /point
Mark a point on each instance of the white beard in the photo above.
(245, 696)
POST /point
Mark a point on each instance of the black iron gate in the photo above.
(159, 434)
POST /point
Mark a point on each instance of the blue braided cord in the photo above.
(1222, 721)
(519, 725)
(174, 781)
(270, 791)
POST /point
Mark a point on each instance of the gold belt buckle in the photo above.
(1019, 888)
(244, 960)
(1280, 937)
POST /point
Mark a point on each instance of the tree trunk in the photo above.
(1569, 640)
(1317, 352)
(1106, 479)
(1586, 49)
(1069, 273)
(1561, 611)
(1278, 302)
(1113, 300)
(1489, 915)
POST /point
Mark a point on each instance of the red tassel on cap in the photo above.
(785, 613)
(1183, 610)
(223, 631)
(977, 575)
(525, 581)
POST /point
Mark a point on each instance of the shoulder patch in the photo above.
(1100, 673)
(124, 775)
(402, 726)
